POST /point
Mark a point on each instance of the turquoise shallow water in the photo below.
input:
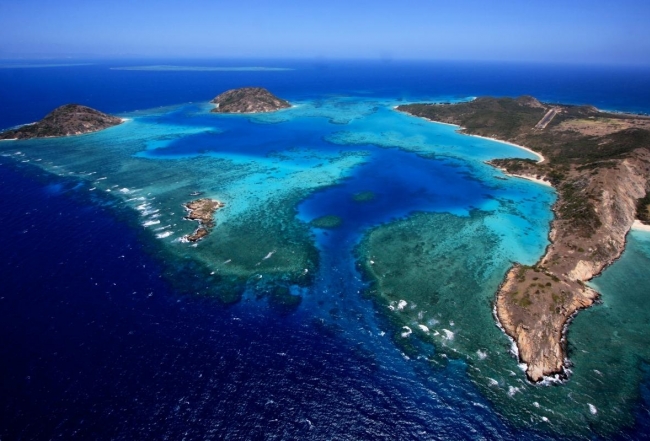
(439, 219)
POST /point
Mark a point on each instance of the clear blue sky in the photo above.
(594, 31)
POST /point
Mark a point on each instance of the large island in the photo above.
(599, 163)
(67, 120)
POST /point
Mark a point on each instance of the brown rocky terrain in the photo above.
(202, 210)
(599, 163)
(67, 120)
(248, 100)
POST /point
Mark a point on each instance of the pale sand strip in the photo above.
(541, 158)
(637, 225)
(531, 178)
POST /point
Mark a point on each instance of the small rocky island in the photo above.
(202, 211)
(248, 100)
(599, 163)
(67, 120)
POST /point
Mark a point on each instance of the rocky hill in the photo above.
(67, 120)
(248, 100)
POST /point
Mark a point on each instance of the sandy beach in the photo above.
(540, 160)
(531, 178)
(637, 225)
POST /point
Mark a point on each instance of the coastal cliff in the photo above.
(599, 164)
(67, 120)
(248, 100)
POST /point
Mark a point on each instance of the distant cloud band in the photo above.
(204, 68)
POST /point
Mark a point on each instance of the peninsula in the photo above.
(202, 211)
(67, 120)
(248, 100)
(599, 163)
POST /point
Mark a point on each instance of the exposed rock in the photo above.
(202, 210)
(67, 120)
(530, 101)
(248, 100)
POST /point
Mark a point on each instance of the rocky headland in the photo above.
(599, 163)
(202, 211)
(248, 100)
(67, 120)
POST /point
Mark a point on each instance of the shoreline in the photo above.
(637, 225)
(534, 179)
(539, 155)
(526, 177)
(461, 129)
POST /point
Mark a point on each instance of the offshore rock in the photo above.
(248, 100)
(67, 120)
(202, 210)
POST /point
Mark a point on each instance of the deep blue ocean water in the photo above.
(96, 344)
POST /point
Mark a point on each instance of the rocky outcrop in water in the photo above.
(67, 120)
(248, 100)
(202, 210)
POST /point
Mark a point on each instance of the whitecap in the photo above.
(407, 333)
(592, 409)
(150, 223)
(164, 235)
(401, 305)
(424, 328)
(448, 334)
(482, 355)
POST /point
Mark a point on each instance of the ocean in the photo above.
(270, 328)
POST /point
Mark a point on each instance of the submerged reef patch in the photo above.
(327, 222)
